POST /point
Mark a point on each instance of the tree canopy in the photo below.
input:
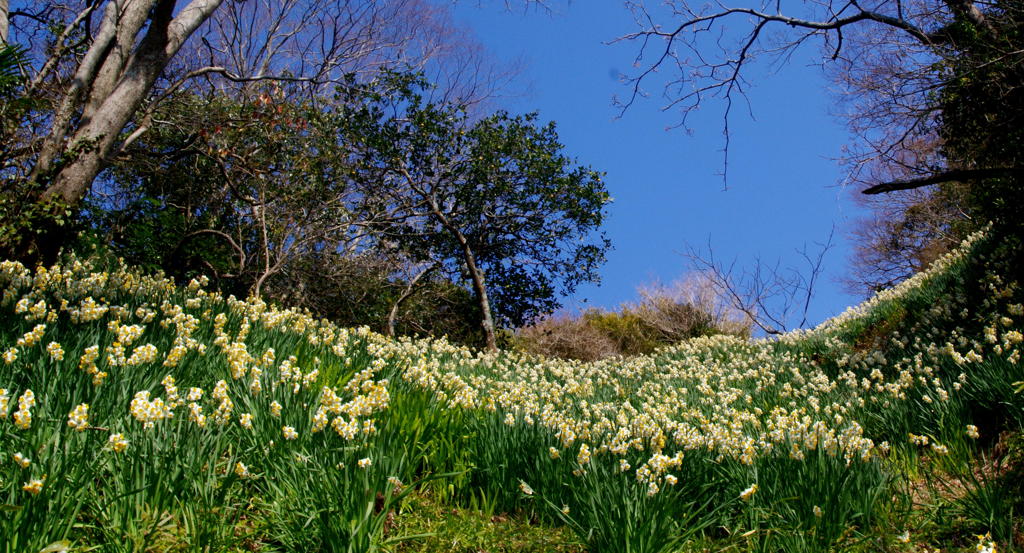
(494, 201)
(100, 73)
(260, 196)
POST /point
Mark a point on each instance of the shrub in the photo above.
(631, 334)
(566, 337)
(664, 315)
(689, 308)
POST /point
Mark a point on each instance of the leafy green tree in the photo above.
(104, 70)
(15, 106)
(375, 187)
(982, 118)
(238, 190)
(494, 203)
(260, 196)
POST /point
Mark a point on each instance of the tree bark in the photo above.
(476, 274)
(953, 175)
(130, 21)
(393, 314)
(84, 75)
(93, 142)
(480, 288)
(3, 22)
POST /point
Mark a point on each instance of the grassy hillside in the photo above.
(137, 416)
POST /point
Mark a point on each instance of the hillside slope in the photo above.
(139, 416)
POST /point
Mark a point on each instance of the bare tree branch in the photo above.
(954, 175)
(410, 287)
(231, 242)
(708, 48)
(765, 294)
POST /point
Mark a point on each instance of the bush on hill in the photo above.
(664, 316)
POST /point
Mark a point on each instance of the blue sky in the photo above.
(783, 180)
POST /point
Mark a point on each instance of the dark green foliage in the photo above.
(982, 121)
(24, 222)
(12, 57)
(967, 120)
(230, 189)
(360, 290)
(499, 190)
(323, 205)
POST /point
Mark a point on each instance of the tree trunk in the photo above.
(130, 22)
(480, 288)
(124, 82)
(393, 314)
(475, 273)
(3, 22)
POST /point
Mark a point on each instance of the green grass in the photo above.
(449, 528)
